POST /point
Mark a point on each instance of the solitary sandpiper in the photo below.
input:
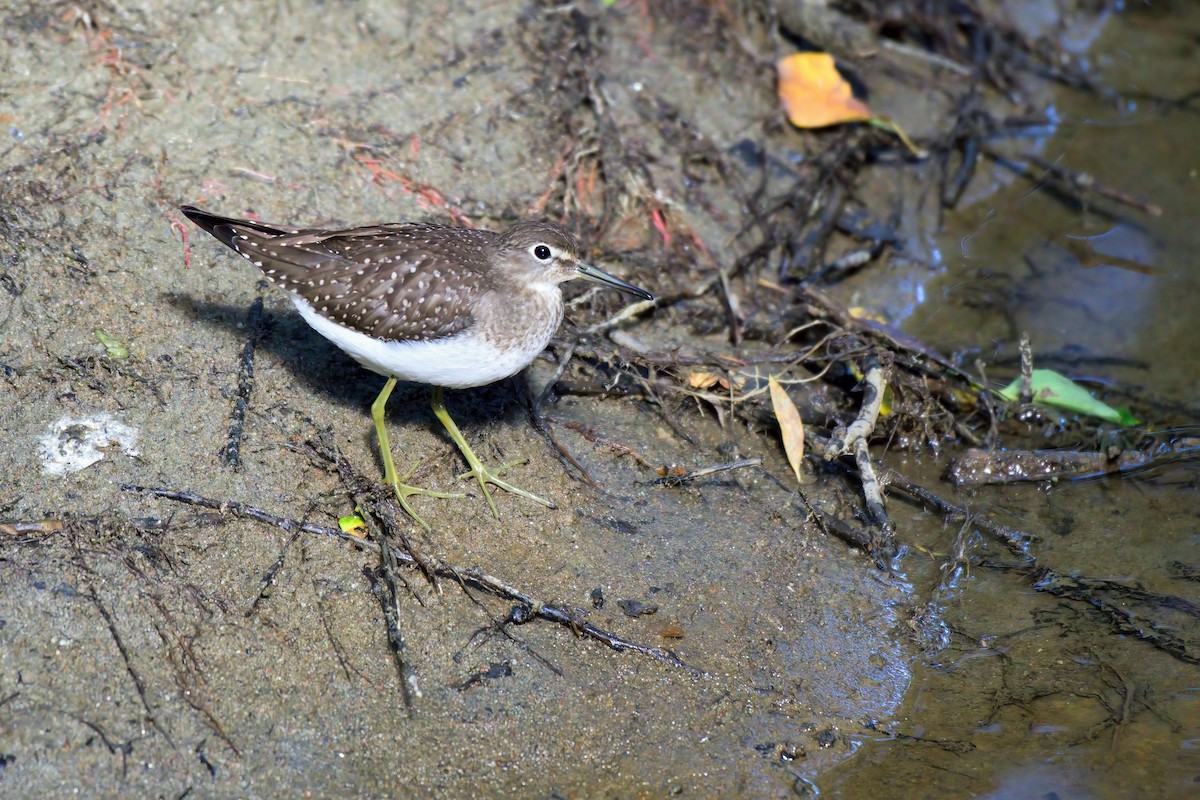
(451, 307)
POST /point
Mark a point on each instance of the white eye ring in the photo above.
(541, 252)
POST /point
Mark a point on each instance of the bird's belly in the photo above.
(455, 362)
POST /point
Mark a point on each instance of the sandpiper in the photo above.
(450, 307)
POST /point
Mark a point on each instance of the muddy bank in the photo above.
(151, 647)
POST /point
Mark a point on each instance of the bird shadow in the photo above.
(320, 366)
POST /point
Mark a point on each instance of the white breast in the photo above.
(456, 362)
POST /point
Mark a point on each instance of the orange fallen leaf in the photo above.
(790, 425)
(671, 630)
(814, 95)
(707, 380)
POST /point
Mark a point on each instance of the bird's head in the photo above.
(542, 252)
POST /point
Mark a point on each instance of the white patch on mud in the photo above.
(74, 444)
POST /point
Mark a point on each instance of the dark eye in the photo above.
(541, 252)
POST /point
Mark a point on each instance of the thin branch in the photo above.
(442, 569)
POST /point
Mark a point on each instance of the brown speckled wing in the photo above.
(392, 282)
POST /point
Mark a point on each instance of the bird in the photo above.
(451, 307)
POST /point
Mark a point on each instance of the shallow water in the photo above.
(1040, 696)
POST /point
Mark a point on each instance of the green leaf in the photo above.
(113, 346)
(1052, 389)
(351, 523)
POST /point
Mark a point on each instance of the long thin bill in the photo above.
(590, 273)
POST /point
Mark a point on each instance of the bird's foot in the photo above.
(486, 476)
(497, 472)
(481, 473)
(404, 491)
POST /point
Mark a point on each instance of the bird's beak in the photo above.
(595, 275)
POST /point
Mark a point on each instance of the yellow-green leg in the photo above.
(481, 473)
(403, 490)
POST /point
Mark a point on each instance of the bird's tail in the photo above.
(225, 228)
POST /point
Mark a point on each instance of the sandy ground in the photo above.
(143, 649)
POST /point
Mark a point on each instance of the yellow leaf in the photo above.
(966, 400)
(814, 95)
(859, 312)
(702, 380)
(790, 425)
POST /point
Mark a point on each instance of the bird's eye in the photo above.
(541, 252)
